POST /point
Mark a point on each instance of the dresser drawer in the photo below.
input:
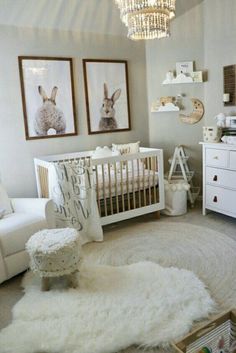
(221, 177)
(217, 158)
(232, 160)
(219, 198)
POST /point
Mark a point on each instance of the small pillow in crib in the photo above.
(128, 148)
(103, 152)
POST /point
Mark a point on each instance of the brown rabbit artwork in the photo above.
(108, 121)
(49, 120)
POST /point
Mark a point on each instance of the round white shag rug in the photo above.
(209, 254)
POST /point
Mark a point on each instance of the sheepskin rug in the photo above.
(114, 307)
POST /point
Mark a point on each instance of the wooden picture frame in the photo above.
(107, 95)
(48, 97)
(230, 84)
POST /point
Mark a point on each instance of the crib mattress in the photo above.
(134, 181)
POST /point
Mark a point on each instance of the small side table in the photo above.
(55, 253)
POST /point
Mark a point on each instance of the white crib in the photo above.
(127, 186)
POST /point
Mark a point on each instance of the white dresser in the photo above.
(219, 178)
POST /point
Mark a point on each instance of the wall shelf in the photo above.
(182, 83)
(167, 108)
(194, 77)
(165, 111)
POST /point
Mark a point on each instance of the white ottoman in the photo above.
(55, 253)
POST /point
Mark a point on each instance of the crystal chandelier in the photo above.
(147, 19)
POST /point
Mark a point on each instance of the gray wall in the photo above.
(204, 32)
(185, 44)
(16, 154)
(220, 50)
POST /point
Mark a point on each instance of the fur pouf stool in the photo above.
(55, 253)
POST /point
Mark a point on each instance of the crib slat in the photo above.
(121, 184)
(133, 186)
(127, 184)
(97, 184)
(116, 189)
(45, 182)
(43, 177)
(144, 190)
(139, 191)
(149, 184)
(110, 188)
(154, 178)
(104, 190)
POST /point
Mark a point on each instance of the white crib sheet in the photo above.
(133, 182)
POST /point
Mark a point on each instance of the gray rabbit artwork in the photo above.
(108, 121)
(49, 120)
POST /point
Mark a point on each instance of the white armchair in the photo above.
(27, 217)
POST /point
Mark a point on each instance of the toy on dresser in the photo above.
(225, 121)
(228, 126)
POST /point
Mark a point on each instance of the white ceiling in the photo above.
(99, 16)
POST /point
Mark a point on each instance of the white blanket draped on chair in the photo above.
(72, 190)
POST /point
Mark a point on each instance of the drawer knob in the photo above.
(215, 178)
(216, 157)
(215, 199)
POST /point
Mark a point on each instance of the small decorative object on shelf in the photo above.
(181, 78)
(197, 76)
(196, 115)
(220, 120)
(212, 134)
(184, 67)
(166, 104)
(226, 97)
(184, 74)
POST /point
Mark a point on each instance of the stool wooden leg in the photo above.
(72, 280)
(45, 284)
(158, 214)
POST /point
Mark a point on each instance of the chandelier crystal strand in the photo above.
(147, 19)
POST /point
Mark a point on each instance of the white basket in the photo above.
(176, 198)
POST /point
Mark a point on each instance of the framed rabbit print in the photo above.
(48, 97)
(107, 95)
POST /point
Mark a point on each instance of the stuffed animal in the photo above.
(220, 120)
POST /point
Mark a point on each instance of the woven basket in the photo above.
(207, 337)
